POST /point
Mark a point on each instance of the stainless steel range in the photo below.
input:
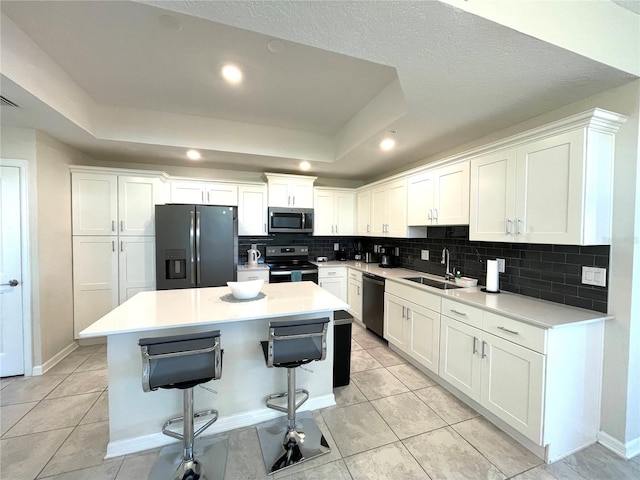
(290, 264)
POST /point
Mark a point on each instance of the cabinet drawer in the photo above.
(337, 272)
(245, 276)
(415, 295)
(521, 333)
(355, 275)
(462, 312)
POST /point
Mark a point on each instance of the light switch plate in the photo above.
(424, 255)
(500, 265)
(594, 276)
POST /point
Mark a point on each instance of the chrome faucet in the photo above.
(445, 260)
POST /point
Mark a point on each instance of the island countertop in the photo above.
(164, 309)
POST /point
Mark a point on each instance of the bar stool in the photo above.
(286, 443)
(182, 362)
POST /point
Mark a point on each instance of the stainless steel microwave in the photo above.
(290, 220)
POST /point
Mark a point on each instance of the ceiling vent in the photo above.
(5, 102)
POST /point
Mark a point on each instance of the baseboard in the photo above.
(223, 424)
(37, 370)
(58, 357)
(625, 450)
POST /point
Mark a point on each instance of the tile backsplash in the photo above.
(548, 272)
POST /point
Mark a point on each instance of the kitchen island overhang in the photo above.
(136, 418)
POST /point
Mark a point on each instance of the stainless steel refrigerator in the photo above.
(196, 246)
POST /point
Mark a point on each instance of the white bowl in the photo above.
(466, 282)
(245, 290)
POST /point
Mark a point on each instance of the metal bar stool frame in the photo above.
(179, 377)
(297, 445)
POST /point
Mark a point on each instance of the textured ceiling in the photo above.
(350, 72)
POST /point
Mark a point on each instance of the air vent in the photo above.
(5, 102)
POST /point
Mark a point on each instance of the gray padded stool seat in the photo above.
(183, 362)
(285, 443)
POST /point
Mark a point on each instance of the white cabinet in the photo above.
(252, 210)
(207, 193)
(334, 211)
(410, 326)
(389, 209)
(334, 280)
(108, 271)
(439, 196)
(354, 293)
(295, 191)
(553, 188)
(363, 212)
(248, 274)
(111, 204)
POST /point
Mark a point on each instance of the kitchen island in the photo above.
(136, 418)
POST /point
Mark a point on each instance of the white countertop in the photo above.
(163, 309)
(540, 313)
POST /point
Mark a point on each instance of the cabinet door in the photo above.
(395, 320)
(95, 279)
(301, 194)
(94, 200)
(252, 210)
(137, 198)
(451, 195)
(345, 203)
(379, 211)
(248, 275)
(137, 266)
(363, 213)
(397, 214)
(420, 199)
(549, 189)
(424, 336)
(493, 197)
(279, 194)
(354, 298)
(324, 212)
(188, 192)
(460, 360)
(225, 194)
(335, 286)
(512, 385)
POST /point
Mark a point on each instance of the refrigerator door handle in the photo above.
(198, 246)
(191, 238)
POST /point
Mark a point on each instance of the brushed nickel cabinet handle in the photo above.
(475, 345)
(484, 344)
(508, 331)
(458, 313)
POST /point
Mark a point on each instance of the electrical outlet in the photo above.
(500, 265)
(424, 255)
(336, 247)
(594, 276)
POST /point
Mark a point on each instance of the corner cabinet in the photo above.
(334, 211)
(113, 220)
(552, 185)
(293, 191)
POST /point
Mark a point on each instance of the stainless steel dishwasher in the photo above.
(373, 302)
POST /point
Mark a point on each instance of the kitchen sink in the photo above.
(432, 283)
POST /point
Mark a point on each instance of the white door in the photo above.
(302, 194)
(345, 213)
(452, 194)
(363, 213)
(420, 199)
(187, 192)
(11, 331)
(460, 360)
(397, 210)
(225, 194)
(94, 203)
(252, 210)
(138, 197)
(379, 210)
(137, 266)
(395, 317)
(324, 209)
(424, 342)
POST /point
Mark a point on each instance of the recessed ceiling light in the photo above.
(193, 155)
(387, 144)
(305, 165)
(232, 74)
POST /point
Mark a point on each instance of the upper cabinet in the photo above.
(294, 191)
(554, 189)
(363, 212)
(389, 209)
(439, 196)
(207, 193)
(112, 204)
(334, 211)
(252, 210)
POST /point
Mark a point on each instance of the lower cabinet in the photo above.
(248, 275)
(412, 328)
(107, 271)
(354, 293)
(504, 377)
(334, 280)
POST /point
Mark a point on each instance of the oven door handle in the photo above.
(290, 271)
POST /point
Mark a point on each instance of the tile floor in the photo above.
(390, 422)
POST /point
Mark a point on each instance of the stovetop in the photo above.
(290, 265)
(288, 257)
